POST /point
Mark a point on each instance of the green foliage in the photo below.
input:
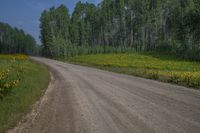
(8, 81)
(152, 75)
(6, 85)
(164, 46)
(13, 40)
(154, 66)
(18, 99)
(55, 31)
(170, 26)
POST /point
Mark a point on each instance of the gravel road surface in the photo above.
(87, 100)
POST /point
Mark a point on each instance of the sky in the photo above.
(25, 14)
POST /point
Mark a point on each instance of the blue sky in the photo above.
(25, 14)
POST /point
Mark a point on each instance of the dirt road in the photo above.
(87, 100)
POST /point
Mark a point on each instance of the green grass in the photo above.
(165, 68)
(33, 80)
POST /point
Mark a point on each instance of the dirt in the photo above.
(87, 100)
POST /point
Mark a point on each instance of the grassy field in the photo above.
(22, 82)
(153, 66)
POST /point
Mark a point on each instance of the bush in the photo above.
(164, 46)
(153, 74)
(6, 85)
(12, 74)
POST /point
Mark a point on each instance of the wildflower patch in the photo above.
(11, 73)
(149, 65)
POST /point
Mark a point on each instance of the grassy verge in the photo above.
(32, 80)
(164, 68)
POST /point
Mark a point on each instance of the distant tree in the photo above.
(13, 40)
(55, 31)
(170, 26)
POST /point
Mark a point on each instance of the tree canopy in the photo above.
(171, 26)
(14, 40)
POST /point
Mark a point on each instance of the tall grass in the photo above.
(22, 83)
(149, 65)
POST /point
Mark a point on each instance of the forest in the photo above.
(14, 40)
(165, 26)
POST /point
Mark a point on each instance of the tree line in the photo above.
(14, 40)
(171, 26)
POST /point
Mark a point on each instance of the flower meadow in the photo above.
(22, 83)
(165, 68)
(11, 73)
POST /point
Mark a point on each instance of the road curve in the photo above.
(88, 100)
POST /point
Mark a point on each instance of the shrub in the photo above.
(6, 85)
(164, 46)
(153, 74)
(11, 76)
